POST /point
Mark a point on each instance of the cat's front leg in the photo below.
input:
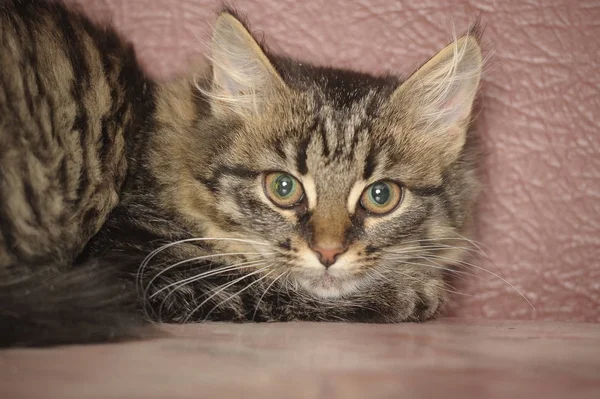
(385, 303)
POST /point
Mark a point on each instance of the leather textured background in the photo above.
(540, 211)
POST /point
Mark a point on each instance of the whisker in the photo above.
(485, 270)
(212, 272)
(445, 238)
(424, 281)
(221, 290)
(409, 249)
(458, 261)
(458, 292)
(476, 244)
(197, 258)
(197, 277)
(436, 267)
(264, 293)
(478, 251)
(501, 278)
(437, 246)
(451, 261)
(155, 252)
(381, 275)
(237, 293)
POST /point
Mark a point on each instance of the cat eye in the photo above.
(381, 197)
(283, 189)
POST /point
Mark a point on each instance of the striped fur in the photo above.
(73, 103)
(104, 166)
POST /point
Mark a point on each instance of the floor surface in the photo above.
(450, 358)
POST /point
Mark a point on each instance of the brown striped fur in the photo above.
(72, 104)
(100, 166)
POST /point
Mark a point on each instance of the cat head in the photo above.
(340, 178)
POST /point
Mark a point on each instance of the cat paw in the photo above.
(421, 304)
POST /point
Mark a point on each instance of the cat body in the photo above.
(264, 190)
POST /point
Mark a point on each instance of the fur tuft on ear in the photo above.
(243, 77)
(437, 99)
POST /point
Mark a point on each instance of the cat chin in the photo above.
(329, 287)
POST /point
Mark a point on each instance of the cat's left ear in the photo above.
(437, 99)
(243, 77)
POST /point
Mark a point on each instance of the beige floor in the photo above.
(450, 358)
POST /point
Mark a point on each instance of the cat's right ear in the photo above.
(243, 77)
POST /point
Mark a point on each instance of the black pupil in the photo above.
(284, 185)
(380, 192)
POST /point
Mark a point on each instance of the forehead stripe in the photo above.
(370, 164)
(301, 156)
(238, 171)
(324, 140)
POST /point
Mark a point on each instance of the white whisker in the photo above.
(501, 278)
(427, 258)
(438, 246)
(209, 273)
(479, 268)
(381, 275)
(476, 244)
(201, 276)
(152, 254)
(238, 293)
(446, 238)
(424, 281)
(221, 290)
(197, 258)
(264, 293)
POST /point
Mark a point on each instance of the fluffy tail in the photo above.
(85, 304)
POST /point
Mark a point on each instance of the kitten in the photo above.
(272, 190)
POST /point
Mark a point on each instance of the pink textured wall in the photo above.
(540, 212)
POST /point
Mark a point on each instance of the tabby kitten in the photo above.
(265, 190)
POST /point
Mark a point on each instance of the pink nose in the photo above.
(328, 255)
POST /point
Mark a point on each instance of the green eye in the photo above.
(381, 197)
(283, 189)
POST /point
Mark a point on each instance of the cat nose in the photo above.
(328, 255)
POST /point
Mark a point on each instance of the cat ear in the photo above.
(243, 76)
(437, 99)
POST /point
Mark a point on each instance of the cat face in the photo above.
(333, 191)
(342, 178)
